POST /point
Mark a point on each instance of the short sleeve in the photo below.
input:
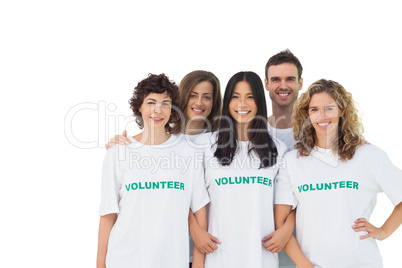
(283, 188)
(110, 196)
(199, 193)
(389, 179)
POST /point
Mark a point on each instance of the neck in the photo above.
(152, 136)
(281, 117)
(194, 127)
(242, 132)
(325, 141)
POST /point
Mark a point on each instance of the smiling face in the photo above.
(283, 84)
(199, 104)
(156, 109)
(242, 106)
(324, 114)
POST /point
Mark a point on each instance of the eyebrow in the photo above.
(251, 93)
(193, 92)
(329, 105)
(287, 77)
(151, 99)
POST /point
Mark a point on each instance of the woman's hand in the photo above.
(118, 139)
(363, 225)
(204, 241)
(276, 241)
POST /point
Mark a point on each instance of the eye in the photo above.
(250, 97)
(235, 97)
(291, 79)
(193, 96)
(208, 98)
(166, 104)
(150, 102)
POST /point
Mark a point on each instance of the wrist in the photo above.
(385, 233)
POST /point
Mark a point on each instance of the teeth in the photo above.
(197, 110)
(242, 112)
(283, 94)
(323, 124)
(157, 118)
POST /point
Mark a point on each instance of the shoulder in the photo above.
(370, 152)
(280, 146)
(205, 138)
(292, 157)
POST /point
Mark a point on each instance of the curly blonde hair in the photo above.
(350, 127)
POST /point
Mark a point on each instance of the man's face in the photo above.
(283, 84)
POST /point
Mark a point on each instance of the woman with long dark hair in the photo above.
(241, 160)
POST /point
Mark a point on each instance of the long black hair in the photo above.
(257, 132)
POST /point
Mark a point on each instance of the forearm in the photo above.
(193, 225)
(284, 217)
(393, 221)
(201, 220)
(294, 252)
(290, 222)
(105, 226)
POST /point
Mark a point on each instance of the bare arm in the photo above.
(201, 218)
(277, 240)
(292, 247)
(203, 241)
(105, 226)
(390, 225)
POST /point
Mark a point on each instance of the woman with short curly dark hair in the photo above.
(147, 192)
(333, 179)
(159, 84)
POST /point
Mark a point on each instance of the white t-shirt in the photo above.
(240, 213)
(330, 195)
(285, 135)
(152, 189)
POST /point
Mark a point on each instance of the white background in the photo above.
(56, 55)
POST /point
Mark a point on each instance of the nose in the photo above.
(323, 114)
(199, 101)
(241, 103)
(157, 109)
(283, 84)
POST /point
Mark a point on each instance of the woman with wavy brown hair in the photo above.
(333, 178)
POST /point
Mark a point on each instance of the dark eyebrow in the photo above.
(150, 99)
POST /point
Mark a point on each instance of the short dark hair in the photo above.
(155, 84)
(282, 57)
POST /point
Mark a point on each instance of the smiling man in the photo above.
(283, 81)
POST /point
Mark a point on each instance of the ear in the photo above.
(266, 84)
(301, 83)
